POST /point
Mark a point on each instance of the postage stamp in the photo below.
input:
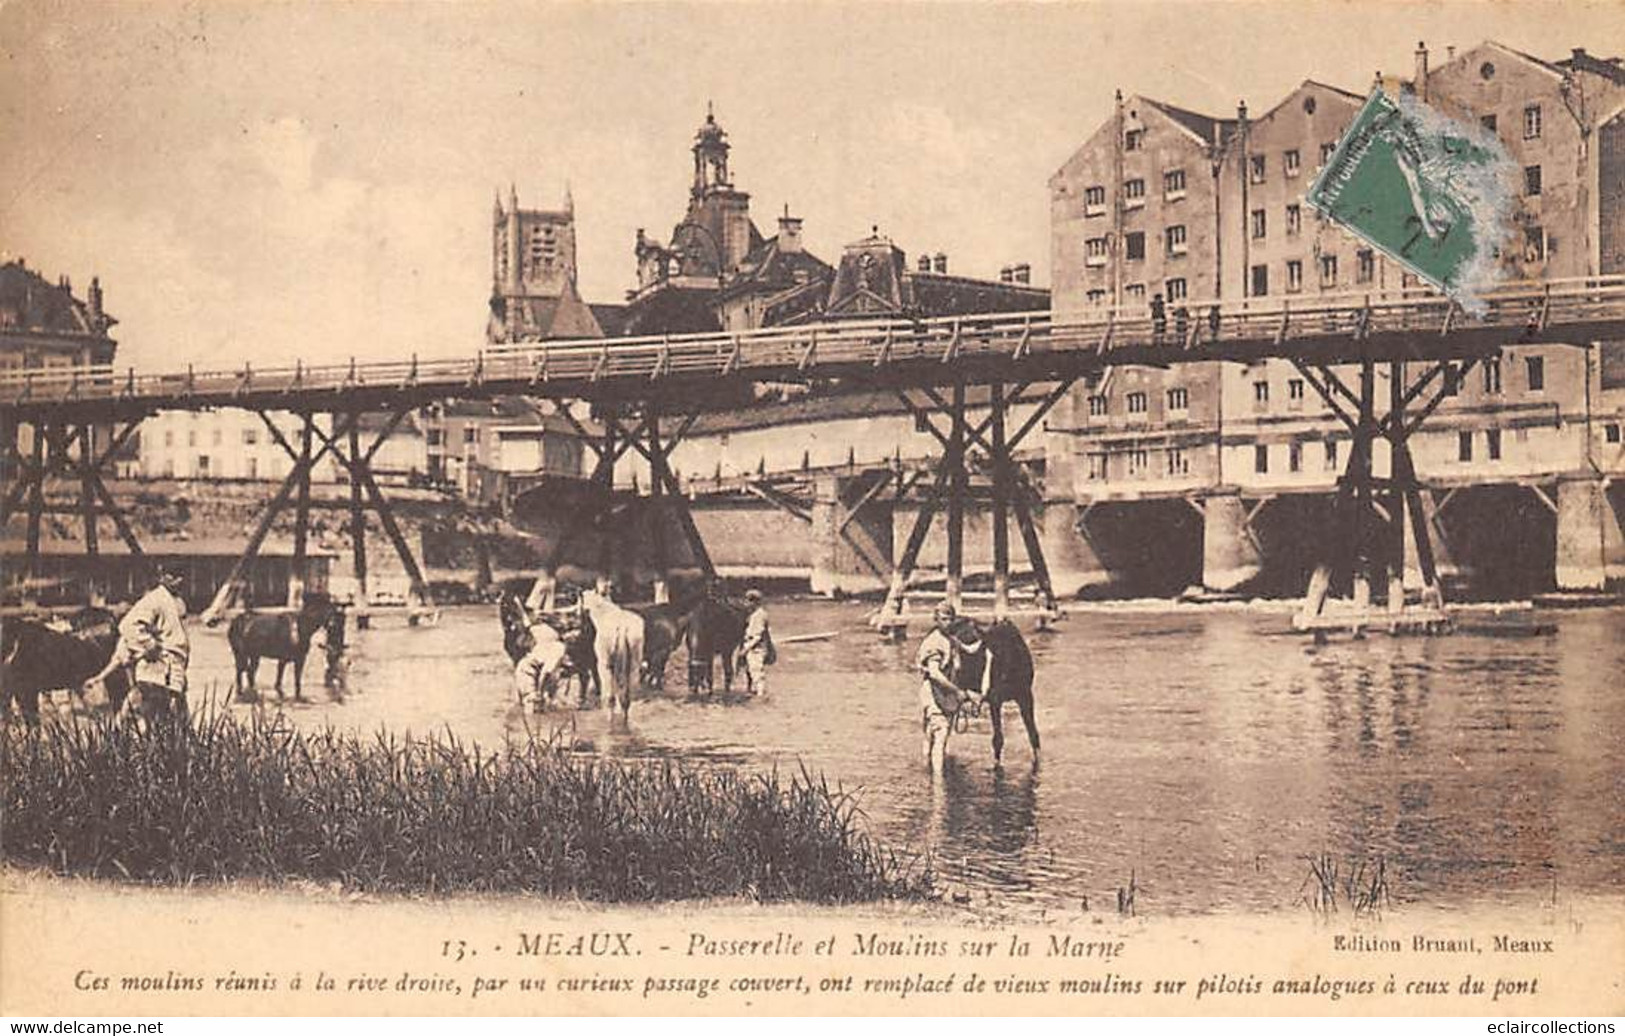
(1431, 192)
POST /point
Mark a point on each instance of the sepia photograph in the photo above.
(988, 508)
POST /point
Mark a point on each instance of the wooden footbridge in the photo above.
(636, 384)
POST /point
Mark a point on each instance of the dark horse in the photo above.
(580, 644)
(1012, 677)
(664, 627)
(284, 637)
(716, 628)
(35, 657)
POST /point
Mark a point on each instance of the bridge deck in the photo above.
(1401, 325)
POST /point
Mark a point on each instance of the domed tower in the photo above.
(710, 157)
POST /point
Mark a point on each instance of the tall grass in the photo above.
(228, 799)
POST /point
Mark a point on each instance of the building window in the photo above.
(1097, 296)
(1261, 279)
(1531, 122)
(1261, 458)
(169, 438)
(1134, 245)
(1134, 140)
(1326, 151)
(1534, 244)
(471, 433)
(1097, 467)
(1488, 122)
(252, 468)
(1178, 463)
(1294, 390)
(1293, 162)
(435, 437)
(1094, 200)
(1094, 252)
(1610, 433)
(1535, 368)
(1492, 377)
(1294, 456)
(1492, 443)
(1176, 239)
(1464, 446)
(1328, 271)
(1175, 288)
(1136, 402)
(1294, 275)
(1173, 184)
(1331, 454)
(1255, 168)
(251, 436)
(1260, 224)
(1367, 269)
(1134, 193)
(1294, 220)
(1097, 406)
(1531, 180)
(191, 437)
(1135, 292)
(1179, 399)
(1261, 393)
(201, 466)
(219, 437)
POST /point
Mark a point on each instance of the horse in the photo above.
(284, 637)
(716, 627)
(36, 657)
(619, 647)
(1012, 677)
(664, 627)
(580, 659)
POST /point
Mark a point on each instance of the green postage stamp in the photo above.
(1433, 193)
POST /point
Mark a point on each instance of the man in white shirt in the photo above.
(756, 650)
(940, 697)
(153, 634)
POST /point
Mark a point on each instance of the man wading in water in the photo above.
(940, 698)
(155, 638)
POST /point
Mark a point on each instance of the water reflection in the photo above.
(1203, 753)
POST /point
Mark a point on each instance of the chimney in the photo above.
(93, 299)
(925, 262)
(939, 262)
(1023, 273)
(1007, 274)
(789, 233)
(1421, 70)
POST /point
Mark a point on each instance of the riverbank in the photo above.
(84, 947)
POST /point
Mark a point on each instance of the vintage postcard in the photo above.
(576, 508)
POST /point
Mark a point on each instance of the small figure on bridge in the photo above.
(1213, 322)
(756, 650)
(153, 633)
(1182, 324)
(1159, 319)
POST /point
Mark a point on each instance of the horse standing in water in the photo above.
(36, 657)
(1011, 679)
(664, 627)
(715, 628)
(619, 647)
(283, 637)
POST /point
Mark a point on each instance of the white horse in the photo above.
(619, 648)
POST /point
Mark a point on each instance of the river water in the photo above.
(1206, 756)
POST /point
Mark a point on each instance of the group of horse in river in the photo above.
(608, 648)
(619, 649)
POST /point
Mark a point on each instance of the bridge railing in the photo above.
(1190, 325)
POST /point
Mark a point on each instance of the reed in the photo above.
(226, 799)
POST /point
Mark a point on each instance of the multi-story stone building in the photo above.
(1249, 445)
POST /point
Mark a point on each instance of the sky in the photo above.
(259, 181)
